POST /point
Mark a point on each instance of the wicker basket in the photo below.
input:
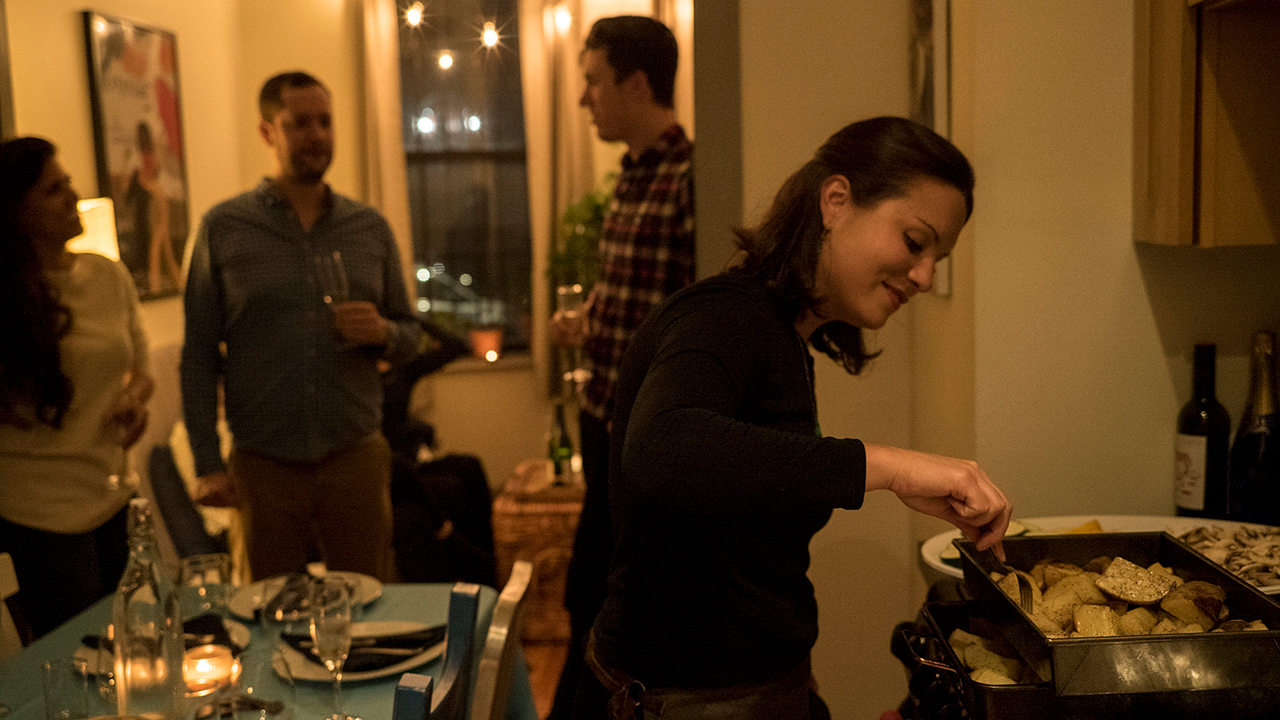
(535, 520)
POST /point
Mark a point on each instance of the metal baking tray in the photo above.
(984, 702)
(1247, 662)
(1039, 701)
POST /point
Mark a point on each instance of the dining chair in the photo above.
(178, 511)
(493, 676)
(449, 697)
(10, 639)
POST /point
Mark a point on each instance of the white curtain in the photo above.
(386, 181)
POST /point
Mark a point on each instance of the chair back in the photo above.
(178, 511)
(10, 639)
(449, 697)
(501, 646)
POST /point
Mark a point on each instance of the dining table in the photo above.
(369, 699)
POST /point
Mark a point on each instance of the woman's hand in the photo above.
(957, 491)
(127, 416)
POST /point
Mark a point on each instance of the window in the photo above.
(465, 153)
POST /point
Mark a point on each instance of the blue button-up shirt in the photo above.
(256, 320)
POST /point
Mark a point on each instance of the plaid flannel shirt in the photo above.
(647, 253)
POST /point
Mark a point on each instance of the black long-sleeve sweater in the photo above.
(718, 480)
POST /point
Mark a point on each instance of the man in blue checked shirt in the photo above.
(293, 346)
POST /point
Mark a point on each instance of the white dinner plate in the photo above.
(240, 635)
(303, 669)
(931, 550)
(248, 599)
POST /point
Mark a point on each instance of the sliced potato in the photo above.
(1166, 626)
(961, 639)
(1138, 621)
(1056, 571)
(1083, 586)
(1157, 567)
(1057, 609)
(1096, 621)
(987, 676)
(1133, 583)
(976, 656)
(1196, 602)
(1093, 526)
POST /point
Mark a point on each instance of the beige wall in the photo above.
(806, 72)
(1082, 338)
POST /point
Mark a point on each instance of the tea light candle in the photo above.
(205, 668)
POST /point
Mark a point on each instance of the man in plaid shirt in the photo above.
(647, 253)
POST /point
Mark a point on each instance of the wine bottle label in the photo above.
(1190, 453)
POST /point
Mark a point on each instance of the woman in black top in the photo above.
(719, 473)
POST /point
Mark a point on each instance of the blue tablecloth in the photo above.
(20, 683)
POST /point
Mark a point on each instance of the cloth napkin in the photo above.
(205, 629)
(366, 652)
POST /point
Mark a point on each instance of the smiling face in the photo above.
(301, 133)
(48, 214)
(874, 259)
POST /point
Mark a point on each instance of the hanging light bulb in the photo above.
(564, 19)
(446, 60)
(490, 35)
(413, 16)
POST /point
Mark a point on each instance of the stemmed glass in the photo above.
(266, 687)
(569, 299)
(332, 275)
(331, 630)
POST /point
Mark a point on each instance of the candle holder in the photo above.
(207, 669)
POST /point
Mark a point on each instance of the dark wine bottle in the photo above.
(1253, 491)
(560, 448)
(1204, 430)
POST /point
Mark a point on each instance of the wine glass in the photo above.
(266, 689)
(205, 585)
(569, 300)
(332, 276)
(331, 630)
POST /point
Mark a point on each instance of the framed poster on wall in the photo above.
(931, 64)
(137, 127)
(6, 80)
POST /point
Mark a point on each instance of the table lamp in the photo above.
(98, 216)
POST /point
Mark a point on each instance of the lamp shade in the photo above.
(98, 216)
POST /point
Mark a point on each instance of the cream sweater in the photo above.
(57, 480)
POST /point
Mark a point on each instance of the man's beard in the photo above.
(304, 171)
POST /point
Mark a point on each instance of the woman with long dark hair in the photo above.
(719, 474)
(74, 382)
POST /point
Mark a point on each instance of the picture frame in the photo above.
(930, 88)
(930, 83)
(139, 146)
(6, 80)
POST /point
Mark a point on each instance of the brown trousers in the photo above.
(342, 504)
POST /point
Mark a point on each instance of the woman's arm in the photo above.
(957, 491)
(722, 420)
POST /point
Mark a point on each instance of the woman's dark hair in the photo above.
(32, 320)
(881, 158)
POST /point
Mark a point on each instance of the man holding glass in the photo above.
(647, 253)
(294, 294)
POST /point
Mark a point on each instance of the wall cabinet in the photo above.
(1207, 122)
